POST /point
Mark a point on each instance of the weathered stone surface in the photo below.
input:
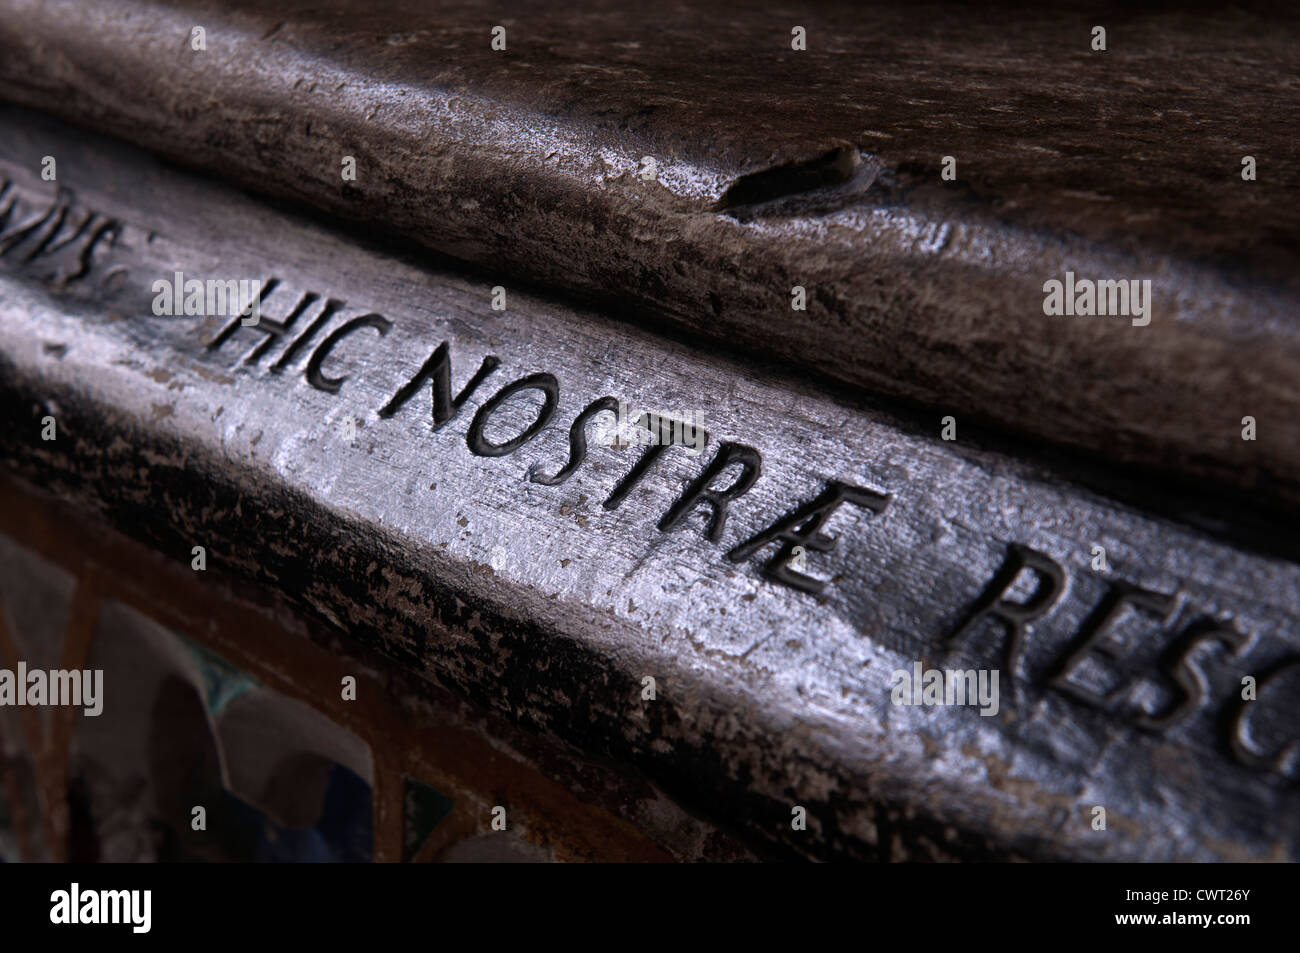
(1117, 164)
(539, 602)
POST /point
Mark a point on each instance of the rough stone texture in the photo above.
(1117, 164)
(539, 603)
(560, 802)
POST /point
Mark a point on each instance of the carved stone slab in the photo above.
(299, 453)
(690, 168)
